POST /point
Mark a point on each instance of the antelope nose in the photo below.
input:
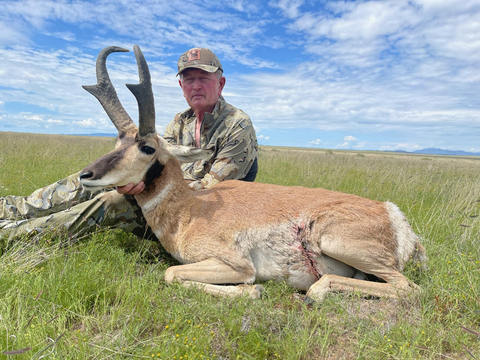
(86, 175)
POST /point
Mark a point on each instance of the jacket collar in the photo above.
(189, 115)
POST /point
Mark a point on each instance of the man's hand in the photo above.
(131, 189)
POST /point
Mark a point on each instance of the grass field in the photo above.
(104, 297)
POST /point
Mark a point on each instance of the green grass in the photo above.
(105, 297)
(29, 162)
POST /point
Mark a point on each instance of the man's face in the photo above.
(201, 89)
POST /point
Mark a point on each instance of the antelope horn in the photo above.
(144, 95)
(106, 94)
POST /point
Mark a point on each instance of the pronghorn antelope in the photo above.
(235, 233)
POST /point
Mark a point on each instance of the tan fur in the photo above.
(238, 232)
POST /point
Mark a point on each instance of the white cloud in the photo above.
(288, 7)
(262, 137)
(363, 34)
(68, 36)
(31, 117)
(367, 21)
(56, 122)
(315, 142)
(11, 32)
(243, 5)
(87, 123)
(402, 70)
(351, 142)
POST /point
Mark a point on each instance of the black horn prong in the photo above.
(144, 94)
(106, 94)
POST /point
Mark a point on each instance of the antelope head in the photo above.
(136, 150)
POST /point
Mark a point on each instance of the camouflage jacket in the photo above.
(227, 131)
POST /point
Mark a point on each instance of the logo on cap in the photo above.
(194, 55)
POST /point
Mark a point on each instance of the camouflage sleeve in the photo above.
(235, 156)
(169, 133)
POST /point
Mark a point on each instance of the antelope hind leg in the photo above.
(327, 283)
(207, 274)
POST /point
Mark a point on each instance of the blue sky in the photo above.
(362, 75)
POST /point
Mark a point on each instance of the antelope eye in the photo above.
(147, 150)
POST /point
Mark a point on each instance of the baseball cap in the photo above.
(199, 58)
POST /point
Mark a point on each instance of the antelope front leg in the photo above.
(206, 274)
(329, 283)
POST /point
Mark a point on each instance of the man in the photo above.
(209, 122)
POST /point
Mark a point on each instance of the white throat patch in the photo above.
(158, 199)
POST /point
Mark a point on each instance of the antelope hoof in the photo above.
(256, 291)
(308, 301)
(253, 291)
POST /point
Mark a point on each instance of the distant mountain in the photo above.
(434, 151)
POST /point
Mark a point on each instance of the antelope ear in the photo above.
(188, 154)
(184, 153)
